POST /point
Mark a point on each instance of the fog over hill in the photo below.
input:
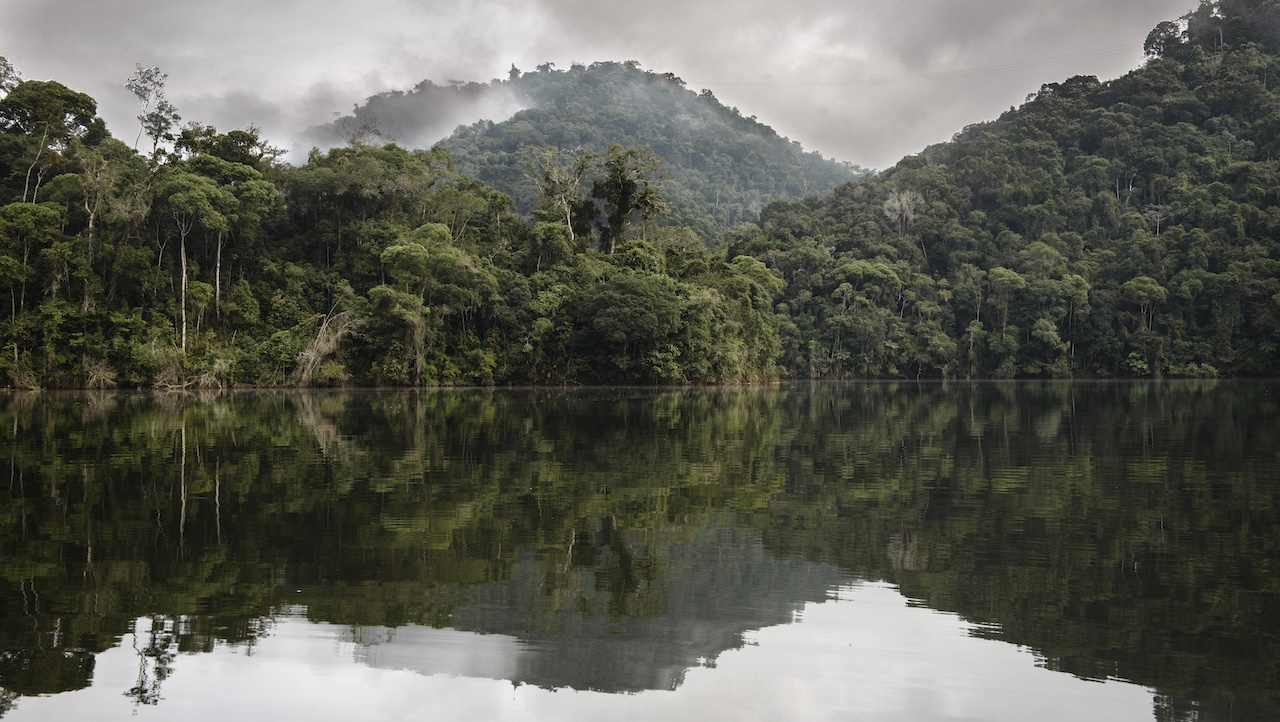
(865, 82)
(721, 168)
(418, 118)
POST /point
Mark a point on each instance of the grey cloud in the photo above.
(847, 78)
(862, 80)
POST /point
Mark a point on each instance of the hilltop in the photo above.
(721, 167)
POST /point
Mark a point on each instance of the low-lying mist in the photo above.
(418, 118)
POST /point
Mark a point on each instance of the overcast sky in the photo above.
(865, 81)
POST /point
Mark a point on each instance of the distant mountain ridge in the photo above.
(722, 167)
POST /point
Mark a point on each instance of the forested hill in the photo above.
(1122, 228)
(1113, 229)
(721, 167)
(200, 261)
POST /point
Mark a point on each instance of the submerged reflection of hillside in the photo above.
(589, 626)
(622, 537)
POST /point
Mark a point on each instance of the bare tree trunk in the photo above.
(92, 212)
(39, 152)
(568, 220)
(182, 255)
(26, 256)
(217, 279)
(39, 179)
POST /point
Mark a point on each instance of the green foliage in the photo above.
(722, 168)
(1125, 228)
(1103, 229)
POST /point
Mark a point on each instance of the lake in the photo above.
(886, 551)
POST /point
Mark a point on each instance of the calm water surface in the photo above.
(1055, 551)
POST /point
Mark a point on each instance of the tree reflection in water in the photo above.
(1121, 530)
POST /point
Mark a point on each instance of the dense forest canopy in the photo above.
(721, 167)
(203, 262)
(1121, 228)
(1126, 228)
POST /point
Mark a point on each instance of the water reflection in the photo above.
(866, 653)
(628, 540)
(696, 598)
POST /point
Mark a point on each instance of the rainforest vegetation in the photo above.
(721, 168)
(1116, 229)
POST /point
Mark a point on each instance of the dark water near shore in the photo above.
(885, 551)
